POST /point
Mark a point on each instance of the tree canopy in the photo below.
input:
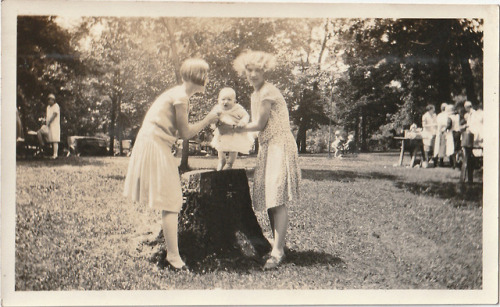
(363, 75)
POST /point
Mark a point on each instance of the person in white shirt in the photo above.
(468, 110)
(443, 146)
(475, 125)
(429, 126)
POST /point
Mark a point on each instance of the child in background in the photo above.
(338, 144)
(232, 114)
(349, 146)
(153, 174)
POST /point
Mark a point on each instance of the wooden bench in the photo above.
(413, 146)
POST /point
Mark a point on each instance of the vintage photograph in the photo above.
(235, 150)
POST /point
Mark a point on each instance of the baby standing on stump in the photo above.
(232, 114)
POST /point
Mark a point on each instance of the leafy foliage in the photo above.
(397, 67)
(46, 62)
(361, 74)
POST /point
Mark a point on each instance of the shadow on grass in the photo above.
(446, 190)
(116, 177)
(61, 161)
(245, 265)
(309, 258)
(343, 176)
(335, 175)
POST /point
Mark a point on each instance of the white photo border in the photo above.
(487, 11)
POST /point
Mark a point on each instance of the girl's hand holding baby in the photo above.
(214, 114)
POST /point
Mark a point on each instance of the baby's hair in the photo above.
(194, 70)
(443, 106)
(227, 89)
(261, 59)
(430, 107)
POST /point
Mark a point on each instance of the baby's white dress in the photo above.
(237, 142)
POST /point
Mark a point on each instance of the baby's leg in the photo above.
(231, 158)
(222, 160)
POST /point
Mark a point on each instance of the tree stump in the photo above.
(217, 218)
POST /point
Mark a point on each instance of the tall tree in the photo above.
(45, 63)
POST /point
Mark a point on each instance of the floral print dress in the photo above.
(277, 173)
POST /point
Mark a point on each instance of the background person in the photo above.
(469, 110)
(429, 126)
(338, 144)
(443, 146)
(475, 125)
(51, 131)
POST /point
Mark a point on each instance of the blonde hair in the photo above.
(229, 90)
(194, 70)
(261, 59)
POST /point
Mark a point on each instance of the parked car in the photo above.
(88, 146)
(195, 148)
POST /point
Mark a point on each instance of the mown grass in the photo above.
(361, 224)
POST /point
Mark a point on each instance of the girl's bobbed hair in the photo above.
(194, 70)
(260, 59)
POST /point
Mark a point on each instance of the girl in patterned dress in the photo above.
(153, 175)
(277, 173)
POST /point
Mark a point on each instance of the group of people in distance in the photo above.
(442, 134)
(153, 176)
(340, 146)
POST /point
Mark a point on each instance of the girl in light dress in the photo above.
(277, 174)
(153, 175)
(444, 146)
(232, 114)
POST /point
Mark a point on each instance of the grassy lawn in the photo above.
(361, 224)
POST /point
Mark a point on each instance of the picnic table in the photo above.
(413, 145)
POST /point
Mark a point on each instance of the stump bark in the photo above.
(217, 218)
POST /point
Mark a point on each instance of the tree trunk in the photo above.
(468, 79)
(184, 165)
(362, 128)
(443, 77)
(301, 137)
(112, 125)
(217, 219)
(357, 134)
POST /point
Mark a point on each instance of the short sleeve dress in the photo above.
(153, 174)
(277, 173)
(55, 126)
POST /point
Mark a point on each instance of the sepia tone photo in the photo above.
(229, 149)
